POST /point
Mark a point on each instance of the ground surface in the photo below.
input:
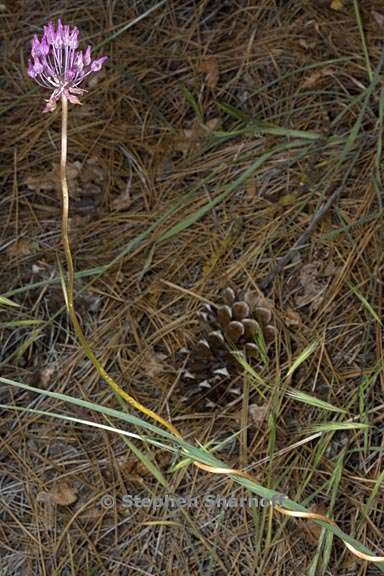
(199, 157)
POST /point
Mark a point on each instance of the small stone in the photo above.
(63, 494)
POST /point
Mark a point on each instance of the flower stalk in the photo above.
(57, 64)
(69, 288)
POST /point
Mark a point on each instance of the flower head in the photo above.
(57, 64)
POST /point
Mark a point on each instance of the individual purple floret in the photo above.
(58, 65)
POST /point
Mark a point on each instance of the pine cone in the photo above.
(234, 325)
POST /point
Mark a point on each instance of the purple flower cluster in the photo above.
(58, 65)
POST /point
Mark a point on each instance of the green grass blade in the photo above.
(193, 103)
(366, 304)
(197, 454)
(129, 25)
(6, 302)
(21, 323)
(313, 401)
(334, 426)
(306, 353)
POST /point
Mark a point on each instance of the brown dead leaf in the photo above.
(136, 469)
(84, 181)
(213, 124)
(315, 77)
(291, 317)
(40, 267)
(92, 513)
(153, 363)
(73, 170)
(210, 67)
(79, 220)
(43, 182)
(90, 301)
(50, 179)
(21, 247)
(312, 531)
(330, 269)
(92, 171)
(190, 139)
(124, 200)
(350, 564)
(258, 414)
(42, 377)
(63, 494)
(312, 79)
(313, 288)
(307, 44)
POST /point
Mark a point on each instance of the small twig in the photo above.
(281, 264)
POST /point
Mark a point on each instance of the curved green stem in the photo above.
(71, 281)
